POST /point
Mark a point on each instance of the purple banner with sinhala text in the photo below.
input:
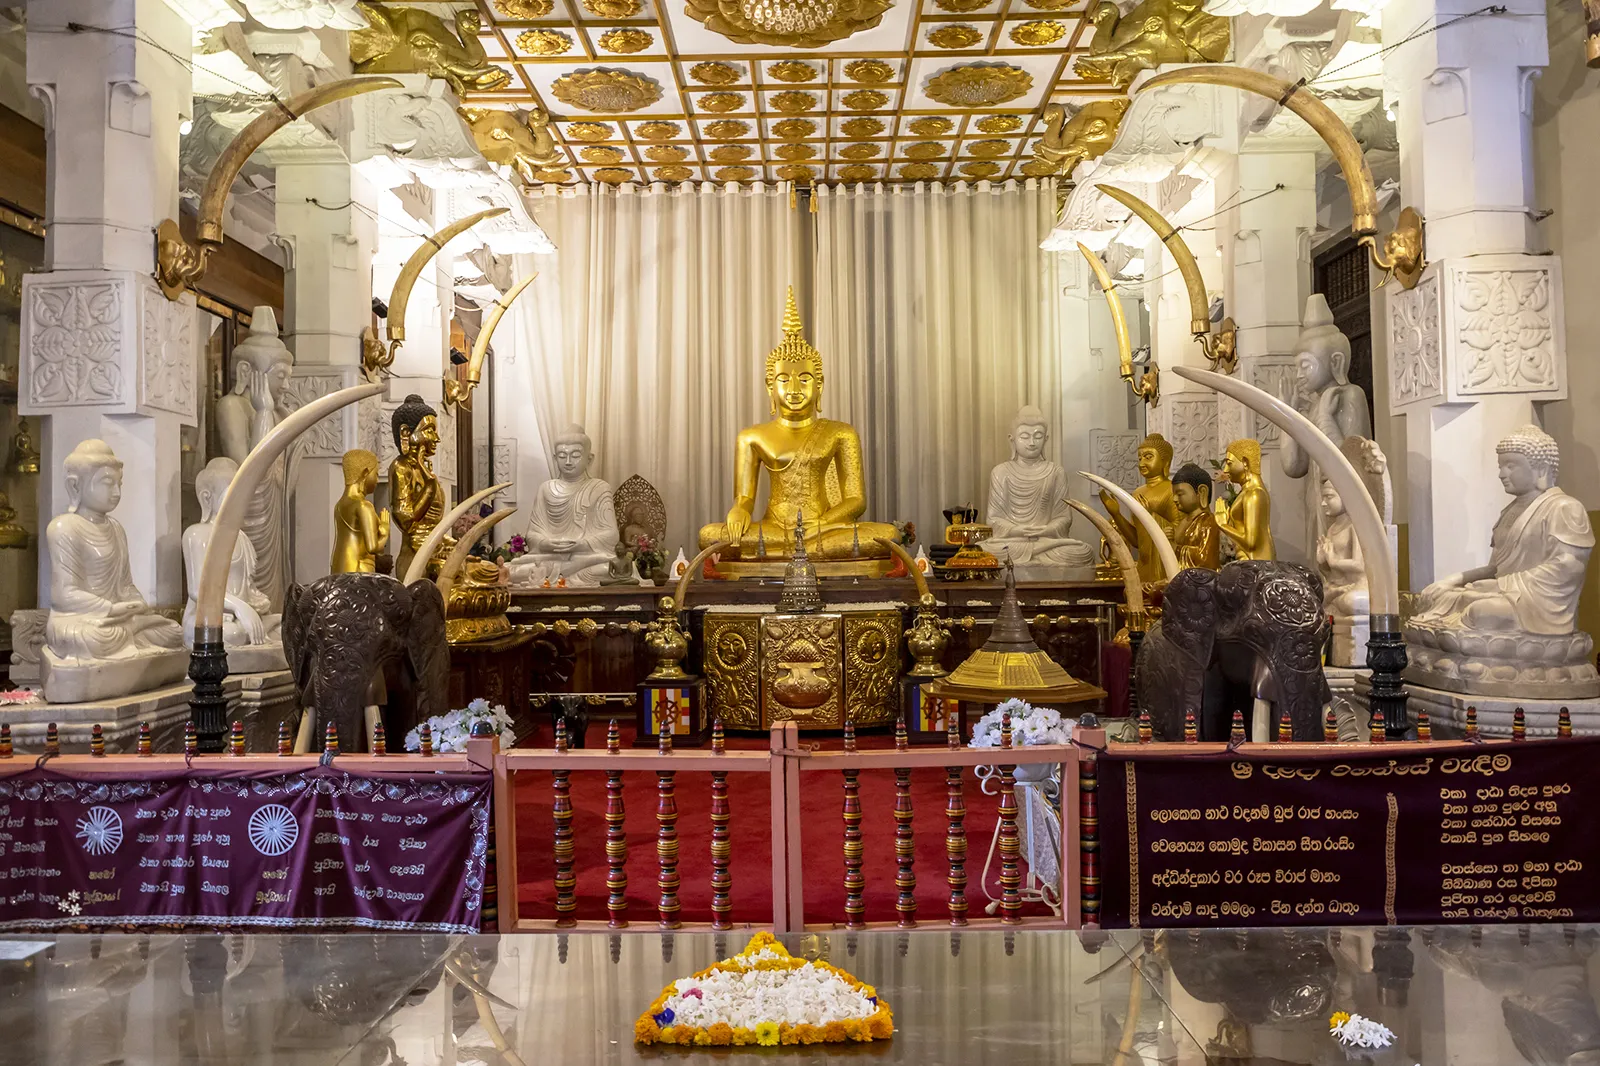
(313, 849)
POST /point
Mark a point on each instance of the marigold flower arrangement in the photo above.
(766, 997)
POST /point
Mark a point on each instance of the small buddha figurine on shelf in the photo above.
(415, 490)
(1247, 521)
(798, 449)
(1155, 463)
(1027, 501)
(360, 530)
(250, 630)
(1196, 538)
(101, 638)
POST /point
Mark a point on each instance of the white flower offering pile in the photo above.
(452, 731)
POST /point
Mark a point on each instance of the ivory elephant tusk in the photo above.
(899, 552)
(1141, 513)
(225, 530)
(1199, 305)
(400, 295)
(1382, 582)
(419, 562)
(682, 591)
(491, 322)
(1119, 547)
(458, 554)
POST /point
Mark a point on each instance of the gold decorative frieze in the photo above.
(606, 91)
(864, 150)
(625, 42)
(410, 40)
(1038, 34)
(657, 131)
(864, 100)
(613, 175)
(802, 660)
(792, 70)
(1152, 33)
(872, 667)
(544, 43)
(735, 174)
(1087, 134)
(868, 71)
(719, 103)
(726, 129)
(666, 153)
(979, 85)
(999, 124)
(589, 131)
(793, 102)
(955, 36)
(713, 73)
(862, 127)
(601, 154)
(930, 126)
(789, 23)
(794, 129)
(732, 671)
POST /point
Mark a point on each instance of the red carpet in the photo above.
(822, 800)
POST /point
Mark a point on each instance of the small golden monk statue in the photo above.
(1155, 463)
(1196, 538)
(360, 530)
(1247, 520)
(813, 463)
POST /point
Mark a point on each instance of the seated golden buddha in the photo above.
(813, 465)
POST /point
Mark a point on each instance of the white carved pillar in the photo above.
(1479, 342)
(104, 353)
(1267, 289)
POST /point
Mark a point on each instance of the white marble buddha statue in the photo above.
(1346, 597)
(1333, 404)
(1510, 628)
(261, 370)
(101, 637)
(572, 521)
(249, 628)
(1027, 501)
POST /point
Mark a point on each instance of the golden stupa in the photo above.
(1011, 665)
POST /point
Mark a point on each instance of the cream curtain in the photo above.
(650, 326)
(938, 317)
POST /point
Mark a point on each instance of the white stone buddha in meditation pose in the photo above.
(1027, 501)
(1510, 628)
(249, 629)
(1346, 597)
(261, 370)
(572, 521)
(101, 639)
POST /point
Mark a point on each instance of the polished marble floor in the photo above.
(1499, 996)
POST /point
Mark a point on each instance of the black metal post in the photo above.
(208, 707)
(1386, 658)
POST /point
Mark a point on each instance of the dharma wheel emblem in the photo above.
(273, 829)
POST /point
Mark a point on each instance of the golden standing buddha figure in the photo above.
(360, 530)
(813, 465)
(415, 490)
(1155, 465)
(1247, 521)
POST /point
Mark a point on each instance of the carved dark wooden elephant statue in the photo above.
(339, 631)
(1250, 629)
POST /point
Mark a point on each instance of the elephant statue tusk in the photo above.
(1402, 249)
(682, 591)
(1119, 547)
(899, 552)
(407, 278)
(1141, 514)
(419, 562)
(458, 554)
(180, 264)
(1220, 348)
(460, 391)
(1368, 521)
(1148, 388)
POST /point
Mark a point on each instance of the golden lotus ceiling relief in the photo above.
(818, 91)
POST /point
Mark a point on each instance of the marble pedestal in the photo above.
(1350, 711)
(68, 682)
(1350, 641)
(1447, 712)
(260, 701)
(257, 658)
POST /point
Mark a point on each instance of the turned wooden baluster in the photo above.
(285, 742)
(854, 882)
(905, 880)
(1472, 723)
(1236, 733)
(1191, 732)
(1330, 726)
(6, 749)
(1089, 838)
(191, 742)
(667, 836)
(721, 839)
(955, 834)
(1146, 734)
(1424, 727)
(425, 740)
(1285, 727)
(566, 881)
(380, 739)
(1379, 732)
(330, 741)
(1519, 724)
(236, 740)
(97, 741)
(1010, 843)
(616, 838)
(1564, 724)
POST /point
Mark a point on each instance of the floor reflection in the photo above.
(1496, 996)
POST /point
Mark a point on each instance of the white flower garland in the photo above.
(1356, 1031)
(1029, 725)
(452, 731)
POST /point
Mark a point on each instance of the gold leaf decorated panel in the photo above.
(732, 670)
(802, 663)
(872, 666)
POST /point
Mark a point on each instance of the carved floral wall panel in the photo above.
(340, 431)
(171, 365)
(1191, 428)
(75, 331)
(1115, 455)
(1414, 343)
(1280, 376)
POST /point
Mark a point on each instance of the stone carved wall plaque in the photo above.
(505, 469)
(340, 431)
(1115, 455)
(1414, 344)
(1278, 375)
(77, 332)
(1191, 427)
(170, 368)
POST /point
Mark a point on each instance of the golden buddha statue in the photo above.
(418, 495)
(1155, 464)
(1196, 538)
(360, 530)
(813, 463)
(1247, 521)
